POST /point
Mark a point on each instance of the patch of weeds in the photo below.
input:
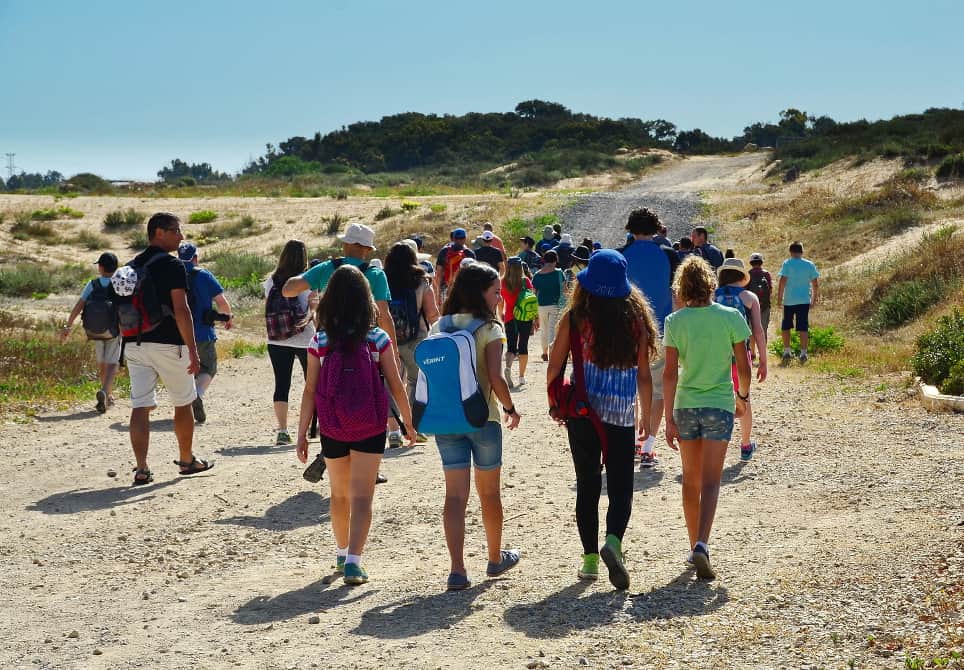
(137, 239)
(340, 194)
(25, 228)
(28, 279)
(55, 213)
(438, 208)
(939, 355)
(905, 301)
(914, 174)
(91, 241)
(246, 226)
(242, 348)
(333, 223)
(123, 218)
(202, 216)
(822, 340)
(899, 220)
(951, 167)
(242, 271)
(410, 205)
(639, 165)
(386, 212)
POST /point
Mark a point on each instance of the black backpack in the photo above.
(99, 316)
(760, 287)
(405, 314)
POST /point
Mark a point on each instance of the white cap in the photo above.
(488, 235)
(357, 233)
(756, 256)
(566, 238)
(375, 263)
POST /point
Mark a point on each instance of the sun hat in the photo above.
(419, 256)
(186, 251)
(108, 260)
(733, 264)
(756, 257)
(358, 233)
(459, 233)
(605, 276)
(124, 280)
(488, 235)
(566, 238)
(547, 233)
(375, 263)
(581, 254)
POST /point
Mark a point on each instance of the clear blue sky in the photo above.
(121, 88)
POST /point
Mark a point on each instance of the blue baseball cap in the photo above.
(186, 251)
(597, 245)
(605, 276)
(459, 233)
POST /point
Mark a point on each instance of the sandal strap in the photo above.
(187, 464)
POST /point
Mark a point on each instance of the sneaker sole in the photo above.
(703, 568)
(101, 402)
(588, 576)
(356, 581)
(618, 576)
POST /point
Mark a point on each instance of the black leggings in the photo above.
(282, 361)
(586, 452)
(517, 335)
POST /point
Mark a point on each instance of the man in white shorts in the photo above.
(167, 352)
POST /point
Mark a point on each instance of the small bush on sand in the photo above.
(25, 228)
(123, 218)
(91, 241)
(905, 301)
(333, 223)
(386, 212)
(137, 239)
(822, 340)
(939, 358)
(202, 216)
(951, 167)
(54, 213)
(243, 271)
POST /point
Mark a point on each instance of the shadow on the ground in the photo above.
(565, 612)
(157, 425)
(642, 481)
(319, 596)
(254, 450)
(305, 508)
(404, 452)
(76, 416)
(88, 500)
(732, 474)
(417, 615)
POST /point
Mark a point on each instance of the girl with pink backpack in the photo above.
(347, 359)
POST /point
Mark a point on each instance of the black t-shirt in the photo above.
(167, 275)
(489, 254)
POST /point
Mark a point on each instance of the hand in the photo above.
(229, 323)
(761, 372)
(512, 420)
(642, 429)
(195, 365)
(64, 333)
(740, 407)
(557, 416)
(313, 299)
(302, 450)
(672, 434)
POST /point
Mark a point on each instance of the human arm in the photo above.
(185, 326)
(813, 295)
(557, 360)
(493, 365)
(74, 313)
(670, 379)
(429, 305)
(780, 287)
(644, 384)
(307, 406)
(386, 323)
(294, 286)
(225, 308)
(389, 368)
(743, 373)
(752, 304)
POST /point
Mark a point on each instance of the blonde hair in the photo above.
(695, 282)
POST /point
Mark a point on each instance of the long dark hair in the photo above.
(347, 309)
(293, 261)
(466, 294)
(402, 269)
(614, 326)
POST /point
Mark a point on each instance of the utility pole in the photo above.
(10, 166)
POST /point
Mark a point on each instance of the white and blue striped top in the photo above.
(611, 391)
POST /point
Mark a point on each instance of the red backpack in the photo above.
(453, 262)
(350, 396)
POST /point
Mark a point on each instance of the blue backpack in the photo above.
(448, 399)
(729, 296)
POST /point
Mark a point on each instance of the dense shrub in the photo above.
(28, 279)
(54, 213)
(202, 216)
(951, 167)
(939, 358)
(822, 340)
(242, 272)
(905, 301)
(124, 219)
(89, 183)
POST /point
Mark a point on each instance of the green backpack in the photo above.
(526, 306)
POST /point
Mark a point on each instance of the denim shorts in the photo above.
(482, 447)
(707, 423)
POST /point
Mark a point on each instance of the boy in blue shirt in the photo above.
(797, 292)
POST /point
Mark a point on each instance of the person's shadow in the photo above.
(565, 612)
(416, 615)
(254, 450)
(88, 500)
(642, 480)
(157, 425)
(305, 508)
(732, 474)
(76, 416)
(318, 596)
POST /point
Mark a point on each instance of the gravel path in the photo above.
(672, 191)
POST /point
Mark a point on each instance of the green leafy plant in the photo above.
(242, 348)
(822, 340)
(124, 219)
(202, 216)
(951, 167)
(906, 301)
(438, 208)
(940, 352)
(242, 271)
(54, 213)
(410, 205)
(386, 212)
(246, 226)
(137, 239)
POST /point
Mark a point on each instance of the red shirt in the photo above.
(508, 300)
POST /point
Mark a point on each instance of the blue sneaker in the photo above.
(509, 558)
(355, 574)
(457, 582)
(746, 451)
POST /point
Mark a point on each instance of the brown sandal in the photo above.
(194, 466)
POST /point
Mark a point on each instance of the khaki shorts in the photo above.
(208, 353)
(656, 370)
(108, 351)
(149, 361)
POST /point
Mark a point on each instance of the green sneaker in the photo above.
(283, 438)
(612, 555)
(355, 574)
(590, 567)
(339, 565)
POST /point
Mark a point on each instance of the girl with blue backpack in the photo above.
(348, 357)
(470, 310)
(611, 332)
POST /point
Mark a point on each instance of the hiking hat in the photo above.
(756, 257)
(733, 264)
(124, 280)
(547, 233)
(597, 245)
(357, 233)
(376, 263)
(108, 260)
(459, 233)
(605, 276)
(581, 254)
(566, 238)
(419, 256)
(186, 251)
(528, 240)
(488, 235)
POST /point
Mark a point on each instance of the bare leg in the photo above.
(785, 334)
(361, 490)
(453, 516)
(184, 432)
(523, 362)
(339, 475)
(804, 339)
(487, 484)
(140, 434)
(746, 424)
(713, 454)
(281, 414)
(690, 453)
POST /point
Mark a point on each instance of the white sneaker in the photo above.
(508, 376)
(522, 382)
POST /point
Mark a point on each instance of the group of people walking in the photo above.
(650, 338)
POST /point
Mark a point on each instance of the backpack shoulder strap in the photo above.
(446, 324)
(337, 262)
(474, 325)
(364, 267)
